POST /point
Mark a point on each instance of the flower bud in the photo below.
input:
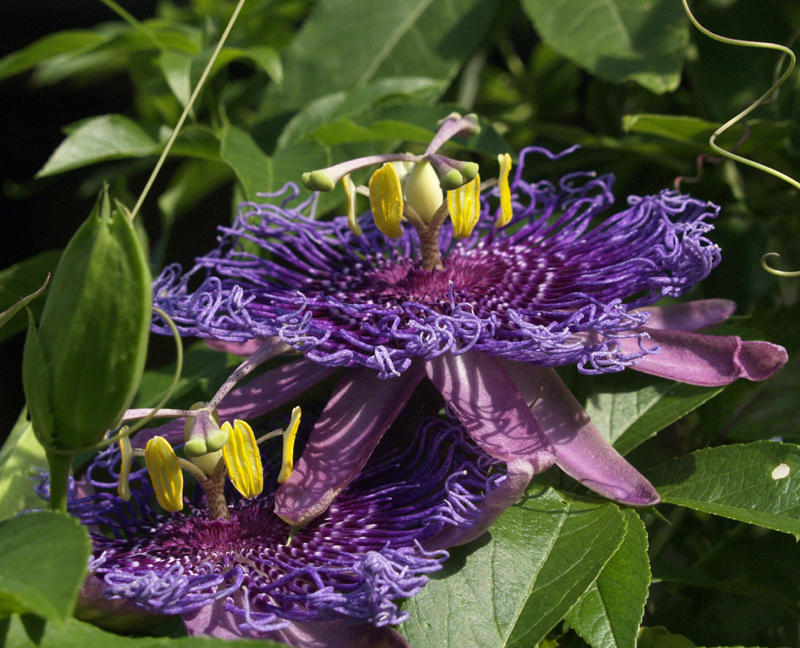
(82, 367)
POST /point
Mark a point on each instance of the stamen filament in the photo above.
(352, 216)
(126, 451)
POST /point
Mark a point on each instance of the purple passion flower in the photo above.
(245, 577)
(526, 277)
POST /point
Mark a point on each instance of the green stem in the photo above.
(59, 479)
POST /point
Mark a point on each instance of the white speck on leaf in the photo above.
(781, 470)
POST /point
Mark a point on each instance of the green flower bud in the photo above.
(318, 181)
(82, 367)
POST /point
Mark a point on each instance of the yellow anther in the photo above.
(243, 460)
(124, 488)
(464, 204)
(350, 191)
(505, 190)
(287, 465)
(165, 473)
(386, 200)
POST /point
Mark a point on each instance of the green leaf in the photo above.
(322, 113)
(695, 132)
(29, 631)
(346, 44)
(49, 47)
(617, 40)
(511, 587)
(258, 172)
(21, 457)
(758, 483)
(203, 368)
(265, 58)
(177, 70)
(43, 558)
(771, 410)
(109, 137)
(609, 613)
(630, 408)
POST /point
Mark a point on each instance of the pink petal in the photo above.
(581, 451)
(690, 316)
(482, 396)
(706, 360)
(360, 410)
(256, 398)
(214, 621)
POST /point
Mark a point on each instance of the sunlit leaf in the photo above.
(630, 408)
(43, 558)
(109, 137)
(617, 40)
(49, 47)
(512, 586)
(758, 483)
(609, 613)
(346, 44)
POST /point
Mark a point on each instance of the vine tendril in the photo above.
(712, 142)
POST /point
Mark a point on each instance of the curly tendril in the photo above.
(712, 142)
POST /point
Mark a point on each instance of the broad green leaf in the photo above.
(265, 58)
(346, 44)
(609, 613)
(258, 172)
(617, 40)
(195, 141)
(758, 483)
(695, 132)
(21, 459)
(114, 53)
(49, 47)
(630, 408)
(177, 70)
(29, 631)
(322, 113)
(512, 586)
(23, 279)
(109, 137)
(43, 558)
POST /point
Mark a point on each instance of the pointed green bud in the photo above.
(82, 367)
(452, 180)
(318, 181)
(422, 190)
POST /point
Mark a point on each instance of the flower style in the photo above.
(554, 282)
(246, 576)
